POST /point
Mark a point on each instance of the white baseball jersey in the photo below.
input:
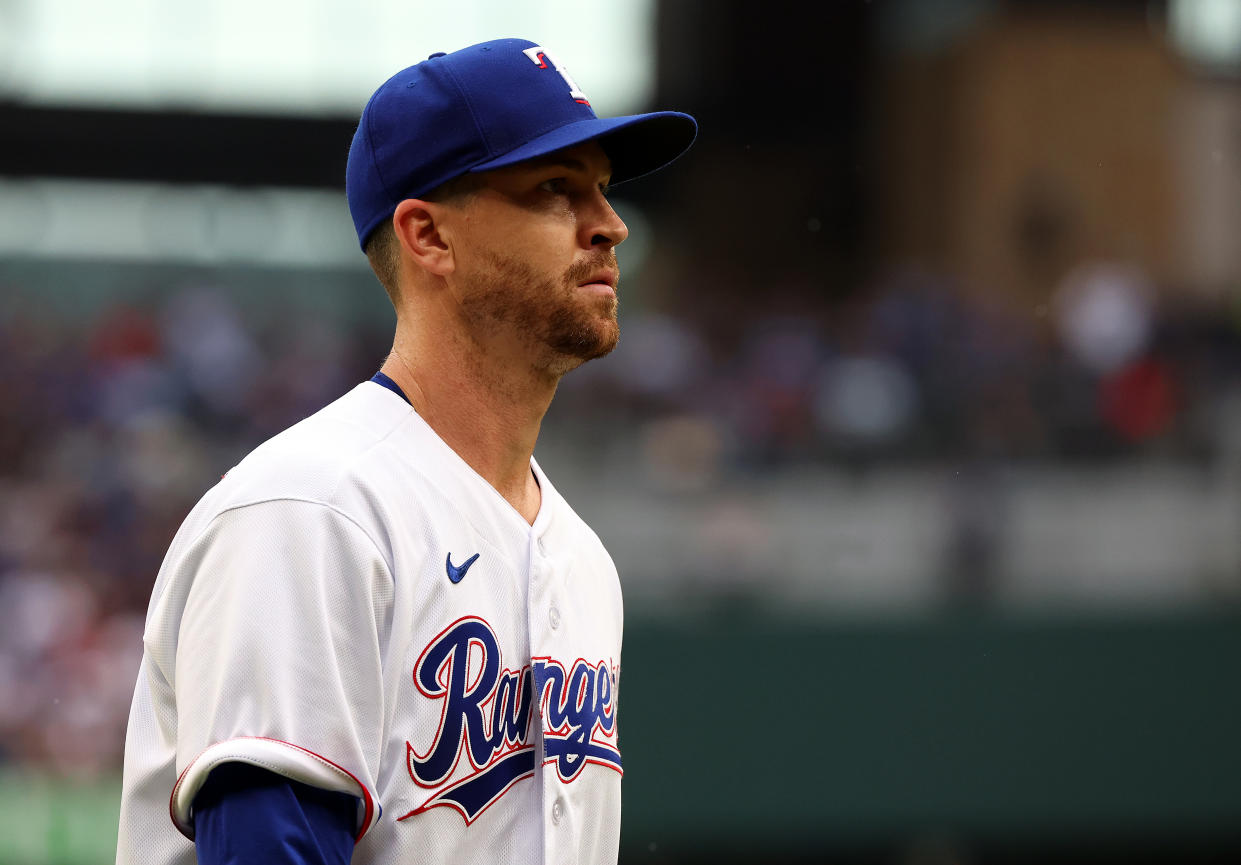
(353, 607)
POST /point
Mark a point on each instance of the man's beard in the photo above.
(575, 326)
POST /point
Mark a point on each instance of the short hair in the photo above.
(384, 256)
(383, 252)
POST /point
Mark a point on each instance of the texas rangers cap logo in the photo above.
(539, 55)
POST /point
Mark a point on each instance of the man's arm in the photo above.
(244, 814)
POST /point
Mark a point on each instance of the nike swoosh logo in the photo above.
(457, 573)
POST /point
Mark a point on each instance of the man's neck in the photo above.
(488, 412)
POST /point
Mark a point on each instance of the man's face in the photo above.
(536, 267)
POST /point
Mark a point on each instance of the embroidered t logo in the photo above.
(539, 57)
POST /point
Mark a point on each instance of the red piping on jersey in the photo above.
(366, 794)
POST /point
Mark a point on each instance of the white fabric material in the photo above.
(305, 620)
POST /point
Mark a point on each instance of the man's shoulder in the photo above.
(328, 472)
(342, 444)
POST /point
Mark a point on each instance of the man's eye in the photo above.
(556, 186)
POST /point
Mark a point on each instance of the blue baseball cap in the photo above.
(484, 107)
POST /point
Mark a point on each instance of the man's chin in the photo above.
(574, 348)
(594, 349)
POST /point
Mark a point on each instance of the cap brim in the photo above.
(637, 144)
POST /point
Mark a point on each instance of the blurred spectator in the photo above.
(1104, 313)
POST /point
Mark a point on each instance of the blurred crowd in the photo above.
(112, 428)
(114, 423)
(1108, 367)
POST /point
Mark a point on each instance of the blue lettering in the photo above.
(579, 701)
(463, 712)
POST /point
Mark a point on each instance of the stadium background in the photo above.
(920, 456)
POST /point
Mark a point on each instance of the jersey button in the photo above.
(558, 810)
(553, 618)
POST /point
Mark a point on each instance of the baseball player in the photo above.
(384, 637)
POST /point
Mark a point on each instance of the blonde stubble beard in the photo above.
(561, 326)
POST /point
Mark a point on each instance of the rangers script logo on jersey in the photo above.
(486, 714)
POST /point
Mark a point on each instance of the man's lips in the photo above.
(607, 278)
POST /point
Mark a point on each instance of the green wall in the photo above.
(754, 733)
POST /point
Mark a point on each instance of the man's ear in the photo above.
(419, 231)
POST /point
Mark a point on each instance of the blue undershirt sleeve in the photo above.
(245, 815)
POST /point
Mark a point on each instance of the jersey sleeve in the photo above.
(278, 659)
